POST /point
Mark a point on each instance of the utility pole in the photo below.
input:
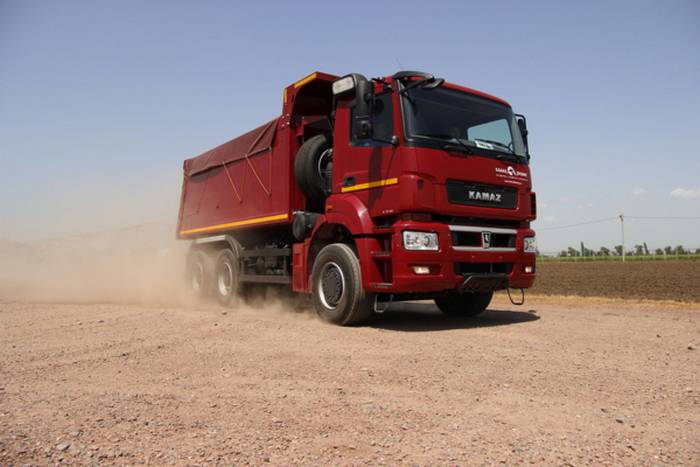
(622, 227)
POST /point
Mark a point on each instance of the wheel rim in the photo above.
(225, 279)
(323, 162)
(331, 286)
(198, 277)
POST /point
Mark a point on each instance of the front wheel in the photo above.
(466, 304)
(337, 292)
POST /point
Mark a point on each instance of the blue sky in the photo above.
(101, 101)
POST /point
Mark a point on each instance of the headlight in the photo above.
(420, 240)
(530, 245)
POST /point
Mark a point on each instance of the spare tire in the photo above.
(312, 167)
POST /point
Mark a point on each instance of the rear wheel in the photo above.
(337, 292)
(466, 304)
(227, 277)
(199, 273)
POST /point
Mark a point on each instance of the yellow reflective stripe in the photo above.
(256, 220)
(374, 184)
(303, 81)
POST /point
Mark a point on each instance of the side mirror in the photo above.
(435, 83)
(364, 99)
(522, 126)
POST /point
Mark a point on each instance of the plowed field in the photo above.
(655, 280)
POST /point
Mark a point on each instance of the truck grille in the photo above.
(476, 238)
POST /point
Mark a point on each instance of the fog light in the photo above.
(529, 269)
(421, 270)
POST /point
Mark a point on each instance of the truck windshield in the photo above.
(433, 116)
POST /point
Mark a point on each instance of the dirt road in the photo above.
(578, 381)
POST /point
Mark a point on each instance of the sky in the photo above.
(101, 101)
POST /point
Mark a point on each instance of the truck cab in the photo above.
(432, 181)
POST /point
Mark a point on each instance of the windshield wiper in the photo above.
(511, 157)
(504, 154)
(497, 143)
(464, 147)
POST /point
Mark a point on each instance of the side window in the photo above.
(382, 118)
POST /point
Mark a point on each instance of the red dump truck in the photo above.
(367, 191)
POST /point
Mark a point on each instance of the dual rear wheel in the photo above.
(337, 292)
(214, 275)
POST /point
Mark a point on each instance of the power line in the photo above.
(662, 217)
(621, 218)
(606, 219)
(597, 221)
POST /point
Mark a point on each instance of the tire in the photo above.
(312, 167)
(467, 304)
(226, 277)
(336, 287)
(199, 273)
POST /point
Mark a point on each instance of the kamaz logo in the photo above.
(484, 196)
(486, 239)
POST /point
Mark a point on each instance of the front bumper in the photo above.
(451, 266)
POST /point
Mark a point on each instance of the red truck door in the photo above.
(362, 166)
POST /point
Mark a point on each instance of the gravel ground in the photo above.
(559, 381)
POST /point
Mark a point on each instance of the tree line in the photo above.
(638, 250)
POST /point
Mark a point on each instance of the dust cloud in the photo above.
(137, 263)
(95, 239)
(142, 264)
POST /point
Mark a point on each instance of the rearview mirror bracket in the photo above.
(522, 126)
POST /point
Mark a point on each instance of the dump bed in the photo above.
(240, 184)
(248, 182)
